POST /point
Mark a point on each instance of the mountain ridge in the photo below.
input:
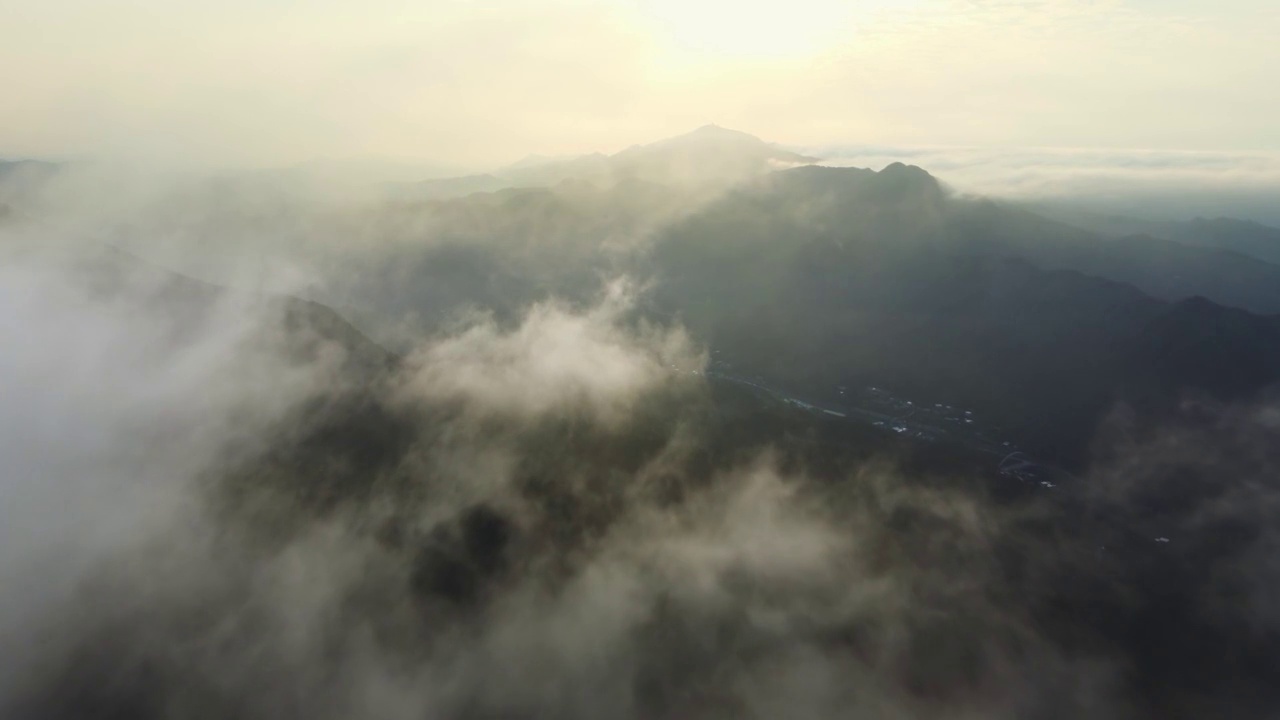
(708, 155)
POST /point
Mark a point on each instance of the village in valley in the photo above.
(907, 418)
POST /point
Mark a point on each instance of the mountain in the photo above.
(1243, 237)
(497, 252)
(1226, 352)
(905, 204)
(184, 307)
(822, 277)
(1163, 268)
(1239, 236)
(709, 155)
(1168, 269)
(980, 581)
(705, 159)
(729, 548)
(817, 277)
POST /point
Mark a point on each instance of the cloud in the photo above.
(1153, 183)
(541, 517)
(555, 361)
(120, 394)
(563, 577)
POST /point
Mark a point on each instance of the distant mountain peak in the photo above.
(903, 176)
(711, 129)
(712, 133)
(901, 168)
(719, 140)
(709, 156)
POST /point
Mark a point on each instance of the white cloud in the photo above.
(112, 405)
(557, 360)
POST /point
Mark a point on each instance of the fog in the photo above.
(555, 358)
(222, 502)
(318, 401)
(136, 595)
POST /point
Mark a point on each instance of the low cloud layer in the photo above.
(116, 402)
(1147, 183)
(555, 360)
(216, 508)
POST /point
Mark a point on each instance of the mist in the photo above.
(386, 362)
(1145, 184)
(484, 570)
(222, 501)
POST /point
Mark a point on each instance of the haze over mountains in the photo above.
(699, 429)
(970, 300)
(782, 264)
(709, 156)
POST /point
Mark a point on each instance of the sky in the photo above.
(472, 84)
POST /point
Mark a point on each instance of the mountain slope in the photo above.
(1227, 234)
(1226, 352)
(301, 329)
(708, 155)
(1164, 268)
(821, 277)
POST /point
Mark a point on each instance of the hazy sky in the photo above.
(278, 81)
